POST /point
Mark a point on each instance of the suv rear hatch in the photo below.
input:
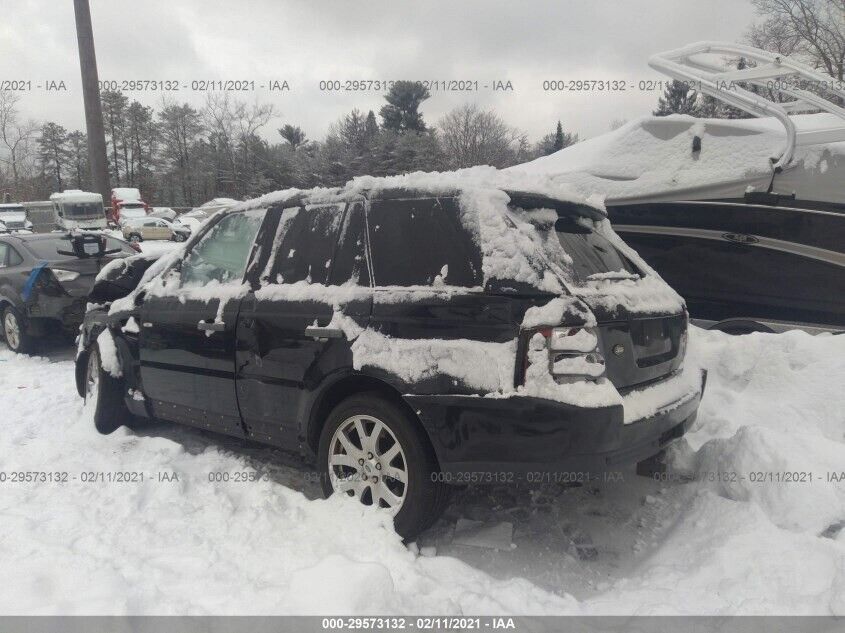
(641, 321)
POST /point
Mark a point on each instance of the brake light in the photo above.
(572, 353)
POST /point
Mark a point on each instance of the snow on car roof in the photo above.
(76, 195)
(653, 156)
(126, 193)
(476, 179)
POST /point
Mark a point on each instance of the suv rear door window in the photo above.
(307, 241)
(421, 242)
(350, 261)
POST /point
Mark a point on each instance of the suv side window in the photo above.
(4, 249)
(222, 253)
(422, 242)
(349, 264)
(307, 244)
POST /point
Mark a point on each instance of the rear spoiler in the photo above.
(776, 74)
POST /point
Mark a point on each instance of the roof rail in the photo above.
(719, 81)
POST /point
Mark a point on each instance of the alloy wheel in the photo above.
(12, 330)
(366, 461)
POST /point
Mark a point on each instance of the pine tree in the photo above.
(114, 113)
(371, 126)
(401, 114)
(558, 145)
(676, 99)
(78, 159)
(53, 150)
(293, 134)
(555, 141)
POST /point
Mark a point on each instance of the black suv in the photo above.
(405, 339)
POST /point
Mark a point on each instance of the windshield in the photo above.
(46, 249)
(11, 211)
(574, 249)
(82, 209)
(133, 211)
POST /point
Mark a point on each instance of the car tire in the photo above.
(423, 497)
(104, 392)
(178, 237)
(135, 237)
(14, 332)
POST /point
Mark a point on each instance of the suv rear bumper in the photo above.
(513, 439)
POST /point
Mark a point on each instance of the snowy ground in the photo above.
(774, 404)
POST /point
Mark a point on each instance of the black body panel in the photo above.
(734, 260)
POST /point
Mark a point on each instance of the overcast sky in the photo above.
(306, 41)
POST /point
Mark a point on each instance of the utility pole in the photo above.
(91, 94)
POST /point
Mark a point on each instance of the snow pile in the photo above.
(653, 155)
(188, 546)
(163, 546)
(777, 409)
(755, 536)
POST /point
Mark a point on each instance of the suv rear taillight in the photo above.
(573, 352)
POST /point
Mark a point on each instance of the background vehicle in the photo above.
(744, 218)
(41, 290)
(13, 217)
(213, 206)
(361, 326)
(126, 202)
(75, 209)
(163, 212)
(42, 215)
(148, 228)
(194, 218)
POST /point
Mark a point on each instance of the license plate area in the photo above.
(656, 340)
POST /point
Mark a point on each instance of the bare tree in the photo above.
(471, 136)
(233, 126)
(812, 29)
(17, 138)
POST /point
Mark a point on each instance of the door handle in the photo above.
(323, 332)
(211, 326)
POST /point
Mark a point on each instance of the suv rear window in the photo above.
(571, 243)
(421, 242)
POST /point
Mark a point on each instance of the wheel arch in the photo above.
(346, 385)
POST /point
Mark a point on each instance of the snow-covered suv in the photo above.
(406, 334)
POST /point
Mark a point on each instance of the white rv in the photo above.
(75, 209)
